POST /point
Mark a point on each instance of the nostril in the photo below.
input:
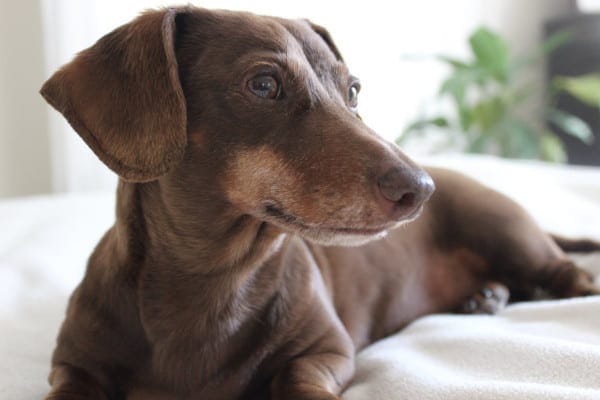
(397, 187)
(392, 193)
(407, 200)
(389, 186)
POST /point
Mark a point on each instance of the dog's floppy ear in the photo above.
(124, 98)
(327, 38)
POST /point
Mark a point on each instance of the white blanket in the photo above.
(544, 350)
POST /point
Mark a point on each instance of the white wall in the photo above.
(24, 157)
(372, 35)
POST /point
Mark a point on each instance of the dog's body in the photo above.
(214, 283)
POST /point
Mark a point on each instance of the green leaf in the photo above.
(479, 144)
(585, 88)
(455, 87)
(465, 116)
(520, 139)
(457, 83)
(556, 40)
(491, 52)
(488, 112)
(510, 137)
(552, 149)
(419, 125)
(453, 62)
(571, 125)
(439, 121)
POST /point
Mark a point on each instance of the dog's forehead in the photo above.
(313, 45)
(250, 32)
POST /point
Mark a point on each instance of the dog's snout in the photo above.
(402, 192)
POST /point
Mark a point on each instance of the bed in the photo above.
(541, 350)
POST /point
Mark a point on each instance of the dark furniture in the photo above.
(580, 56)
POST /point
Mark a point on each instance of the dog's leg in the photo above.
(531, 260)
(70, 383)
(319, 376)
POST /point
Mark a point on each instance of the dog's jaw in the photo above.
(346, 240)
(326, 235)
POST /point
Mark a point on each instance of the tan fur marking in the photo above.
(271, 179)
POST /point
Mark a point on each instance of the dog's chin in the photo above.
(340, 239)
(327, 235)
(332, 237)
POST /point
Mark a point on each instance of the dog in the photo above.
(257, 245)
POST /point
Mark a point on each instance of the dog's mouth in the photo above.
(277, 215)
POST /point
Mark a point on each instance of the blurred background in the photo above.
(507, 77)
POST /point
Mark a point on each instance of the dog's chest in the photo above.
(210, 344)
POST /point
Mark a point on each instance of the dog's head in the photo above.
(261, 111)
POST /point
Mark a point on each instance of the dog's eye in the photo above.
(353, 94)
(265, 86)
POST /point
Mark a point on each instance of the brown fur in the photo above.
(214, 282)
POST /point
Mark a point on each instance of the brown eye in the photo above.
(265, 86)
(353, 94)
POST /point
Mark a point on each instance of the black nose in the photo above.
(403, 191)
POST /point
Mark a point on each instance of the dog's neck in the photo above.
(222, 241)
(222, 272)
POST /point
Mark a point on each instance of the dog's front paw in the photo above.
(492, 298)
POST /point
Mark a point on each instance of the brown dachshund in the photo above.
(245, 174)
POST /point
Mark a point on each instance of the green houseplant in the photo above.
(489, 95)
